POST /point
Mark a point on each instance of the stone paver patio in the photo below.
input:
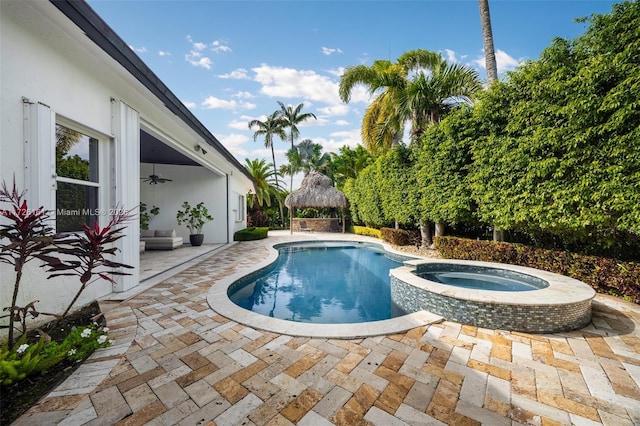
(176, 361)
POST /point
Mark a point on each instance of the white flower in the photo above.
(86, 333)
(105, 329)
(110, 342)
(102, 339)
(22, 348)
(71, 352)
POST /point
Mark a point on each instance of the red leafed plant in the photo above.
(89, 250)
(29, 237)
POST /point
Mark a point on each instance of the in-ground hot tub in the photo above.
(493, 295)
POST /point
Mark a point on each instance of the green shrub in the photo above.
(398, 237)
(25, 359)
(605, 275)
(250, 234)
(367, 232)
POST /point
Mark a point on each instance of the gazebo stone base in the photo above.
(316, 225)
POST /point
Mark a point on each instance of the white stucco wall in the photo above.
(38, 63)
(192, 184)
(47, 59)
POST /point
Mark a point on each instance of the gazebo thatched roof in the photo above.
(316, 191)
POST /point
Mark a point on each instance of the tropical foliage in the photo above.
(421, 86)
(291, 117)
(551, 153)
(268, 192)
(272, 126)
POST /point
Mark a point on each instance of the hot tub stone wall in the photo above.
(525, 318)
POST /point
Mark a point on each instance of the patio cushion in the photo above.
(161, 239)
(147, 233)
(165, 233)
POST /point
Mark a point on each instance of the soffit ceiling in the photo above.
(154, 151)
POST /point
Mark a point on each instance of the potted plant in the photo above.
(147, 215)
(195, 218)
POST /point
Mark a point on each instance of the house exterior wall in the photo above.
(46, 59)
(192, 184)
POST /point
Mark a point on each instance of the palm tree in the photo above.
(292, 117)
(293, 167)
(272, 126)
(492, 68)
(312, 157)
(380, 131)
(429, 95)
(266, 185)
(308, 156)
(264, 179)
(487, 39)
(348, 163)
(421, 86)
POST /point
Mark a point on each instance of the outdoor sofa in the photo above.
(160, 239)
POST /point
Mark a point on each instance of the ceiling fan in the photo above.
(154, 179)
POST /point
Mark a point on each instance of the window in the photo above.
(240, 213)
(77, 179)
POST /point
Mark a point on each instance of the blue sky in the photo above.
(231, 61)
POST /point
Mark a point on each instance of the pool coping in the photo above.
(561, 290)
(219, 302)
(564, 305)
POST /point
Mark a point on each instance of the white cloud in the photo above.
(199, 46)
(190, 105)
(218, 47)
(332, 110)
(239, 74)
(339, 139)
(503, 60)
(216, 103)
(450, 56)
(364, 58)
(243, 95)
(342, 123)
(242, 123)
(163, 53)
(281, 82)
(329, 51)
(337, 72)
(138, 49)
(196, 59)
(506, 62)
(233, 142)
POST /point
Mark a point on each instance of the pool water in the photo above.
(479, 281)
(479, 277)
(323, 284)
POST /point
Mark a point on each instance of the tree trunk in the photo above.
(491, 65)
(439, 229)
(425, 234)
(275, 171)
(487, 39)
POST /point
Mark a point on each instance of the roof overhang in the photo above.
(99, 32)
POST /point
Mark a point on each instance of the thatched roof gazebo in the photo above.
(316, 191)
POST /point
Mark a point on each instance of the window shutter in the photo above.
(39, 155)
(127, 187)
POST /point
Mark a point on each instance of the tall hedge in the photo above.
(603, 274)
(560, 141)
(551, 152)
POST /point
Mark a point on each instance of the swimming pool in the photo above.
(480, 278)
(322, 283)
(555, 302)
